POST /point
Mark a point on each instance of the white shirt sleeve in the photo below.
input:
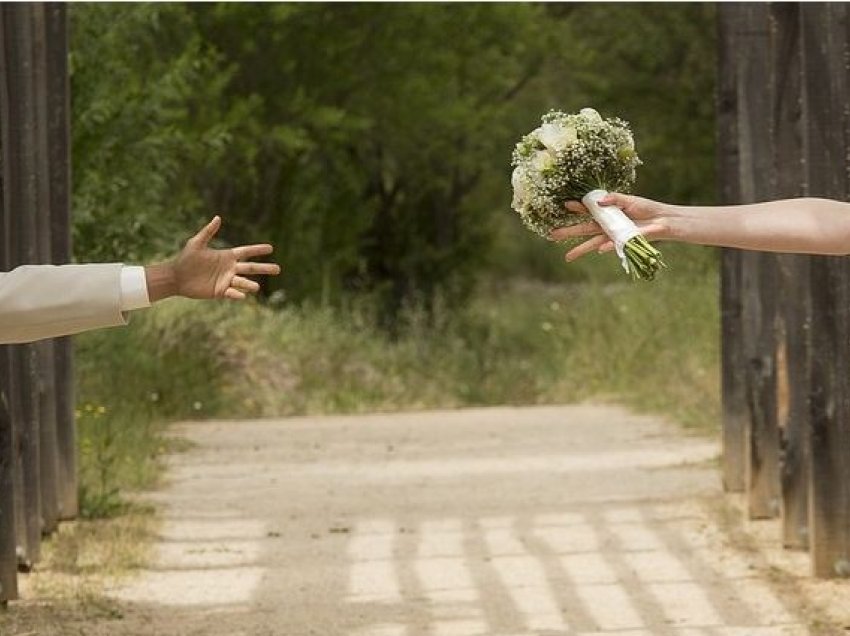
(134, 288)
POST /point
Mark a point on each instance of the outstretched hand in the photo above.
(202, 272)
(648, 215)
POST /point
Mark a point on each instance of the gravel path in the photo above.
(580, 520)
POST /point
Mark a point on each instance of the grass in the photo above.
(653, 346)
(76, 562)
(581, 333)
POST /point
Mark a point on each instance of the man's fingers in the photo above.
(206, 234)
(234, 294)
(588, 246)
(579, 229)
(245, 284)
(257, 269)
(247, 252)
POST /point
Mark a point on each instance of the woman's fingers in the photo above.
(622, 201)
(576, 207)
(588, 246)
(607, 246)
(579, 229)
(651, 231)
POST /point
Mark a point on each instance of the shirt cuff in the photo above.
(134, 289)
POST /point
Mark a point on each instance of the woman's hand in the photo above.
(200, 271)
(651, 217)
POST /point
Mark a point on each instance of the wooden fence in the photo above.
(784, 131)
(38, 485)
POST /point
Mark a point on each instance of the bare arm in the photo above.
(805, 225)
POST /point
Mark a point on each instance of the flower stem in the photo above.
(644, 260)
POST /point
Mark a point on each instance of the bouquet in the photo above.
(580, 157)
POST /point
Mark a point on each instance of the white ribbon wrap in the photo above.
(613, 221)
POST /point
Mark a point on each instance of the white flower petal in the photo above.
(590, 114)
(542, 160)
(518, 181)
(557, 137)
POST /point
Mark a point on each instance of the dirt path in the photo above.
(580, 520)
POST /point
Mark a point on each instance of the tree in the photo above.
(370, 143)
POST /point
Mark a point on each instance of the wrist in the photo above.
(678, 221)
(162, 281)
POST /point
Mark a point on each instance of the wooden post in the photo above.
(8, 555)
(796, 312)
(758, 275)
(8, 528)
(793, 280)
(735, 414)
(794, 307)
(826, 139)
(46, 386)
(22, 184)
(58, 127)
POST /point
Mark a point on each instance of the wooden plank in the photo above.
(12, 396)
(760, 346)
(825, 143)
(8, 528)
(58, 127)
(758, 277)
(8, 543)
(793, 271)
(46, 370)
(22, 186)
(735, 414)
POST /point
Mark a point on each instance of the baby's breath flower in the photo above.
(563, 159)
(567, 157)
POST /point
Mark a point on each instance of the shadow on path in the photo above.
(580, 520)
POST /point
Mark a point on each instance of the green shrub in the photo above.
(653, 346)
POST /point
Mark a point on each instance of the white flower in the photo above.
(557, 137)
(521, 193)
(590, 114)
(543, 160)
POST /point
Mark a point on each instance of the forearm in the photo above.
(46, 301)
(814, 226)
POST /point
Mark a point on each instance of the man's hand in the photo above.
(202, 272)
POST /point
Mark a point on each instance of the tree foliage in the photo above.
(369, 142)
